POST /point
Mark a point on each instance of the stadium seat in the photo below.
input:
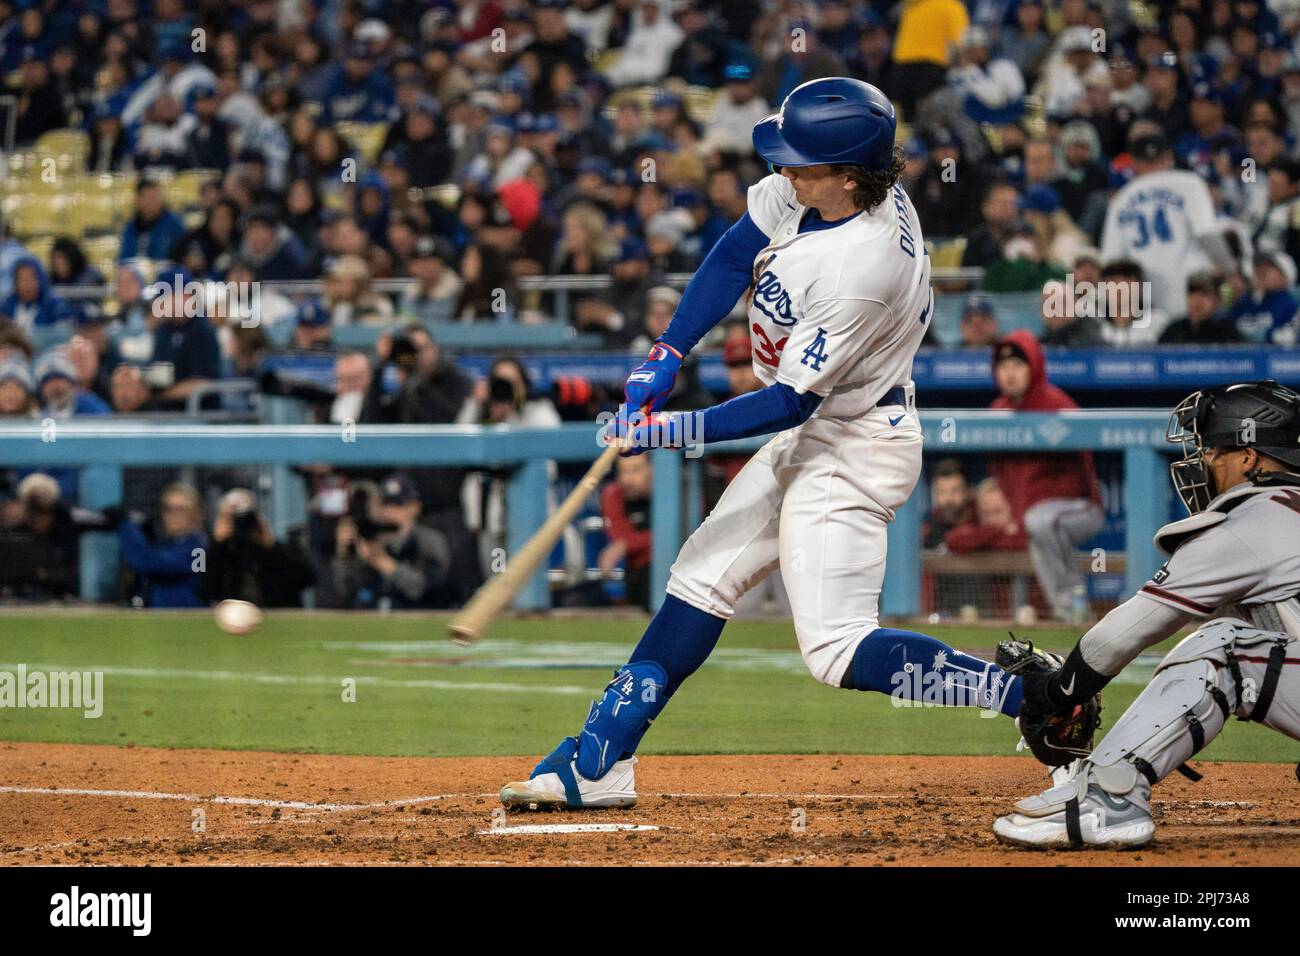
(947, 255)
(101, 252)
(71, 143)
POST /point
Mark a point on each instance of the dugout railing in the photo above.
(103, 449)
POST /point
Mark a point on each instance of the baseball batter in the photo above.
(1233, 564)
(831, 258)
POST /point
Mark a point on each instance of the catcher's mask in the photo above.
(1261, 415)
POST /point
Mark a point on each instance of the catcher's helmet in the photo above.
(833, 120)
(1261, 415)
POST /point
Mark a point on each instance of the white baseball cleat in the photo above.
(555, 784)
(1078, 812)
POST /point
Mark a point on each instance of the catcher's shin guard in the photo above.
(1184, 707)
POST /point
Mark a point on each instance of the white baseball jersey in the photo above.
(838, 309)
(1157, 220)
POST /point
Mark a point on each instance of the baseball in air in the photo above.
(238, 617)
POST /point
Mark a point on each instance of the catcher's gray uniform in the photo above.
(1235, 565)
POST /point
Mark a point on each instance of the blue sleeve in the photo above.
(719, 282)
(144, 557)
(768, 410)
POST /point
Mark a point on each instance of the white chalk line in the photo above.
(527, 828)
(255, 677)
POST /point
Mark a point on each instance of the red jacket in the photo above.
(982, 537)
(620, 528)
(1027, 478)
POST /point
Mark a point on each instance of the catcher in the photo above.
(1234, 564)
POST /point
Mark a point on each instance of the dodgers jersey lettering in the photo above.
(1156, 220)
(835, 307)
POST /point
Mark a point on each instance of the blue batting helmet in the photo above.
(834, 120)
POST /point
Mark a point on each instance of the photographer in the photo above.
(39, 543)
(165, 564)
(246, 563)
(384, 558)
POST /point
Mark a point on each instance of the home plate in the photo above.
(568, 828)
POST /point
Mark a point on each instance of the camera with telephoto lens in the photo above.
(361, 509)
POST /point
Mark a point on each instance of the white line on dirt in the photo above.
(187, 797)
(567, 828)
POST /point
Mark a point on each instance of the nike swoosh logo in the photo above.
(895, 421)
(1068, 689)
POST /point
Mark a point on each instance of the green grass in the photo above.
(176, 681)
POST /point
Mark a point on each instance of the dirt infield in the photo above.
(164, 807)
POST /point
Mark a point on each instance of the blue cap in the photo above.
(53, 364)
(632, 248)
(313, 314)
(397, 489)
(666, 98)
(1040, 198)
(1205, 91)
(15, 371)
(687, 198)
(594, 164)
(737, 72)
(978, 305)
(513, 81)
(915, 148)
(359, 50)
(942, 137)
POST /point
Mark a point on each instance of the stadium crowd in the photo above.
(465, 149)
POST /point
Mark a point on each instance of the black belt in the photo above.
(895, 396)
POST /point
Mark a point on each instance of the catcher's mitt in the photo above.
(1056, 735)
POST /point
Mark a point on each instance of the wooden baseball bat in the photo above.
(496, 594)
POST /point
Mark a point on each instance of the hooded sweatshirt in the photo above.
(1027, 478)
(46, 309)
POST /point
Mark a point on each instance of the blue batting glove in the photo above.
(651, 382)
(641, 432)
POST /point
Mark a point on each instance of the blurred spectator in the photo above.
(270, 248)
(735, 111)
(208, 248)
(1279, 231)
(385, 558)
(356, 90)
(33, 303)
(950, 501)
(57, 385)
(312, 327)
(39, 543)
(154, 229)
(68, 264)
(1026, 42)
(1054, 497)
(1071, 64)
(11, 250)
(1023, 265)
(947, 189)
(1057, 236)
(979, 322)
(185, 345)
(433, 295)
(1069, 323)
(128, 393)
(247, 563)
(39, 106)
(1129, 316)
(990, 89)
(702, 57)
(999, 211)
(928, 30)
(992, 526)
(17, 391)
(1268, 314)
(348, 296)
(652, 38)
(625, 506)
(168, 562)
(1205, 324)
(618, 315)
(1170, 238)
(799, 58)
(1080, 181)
